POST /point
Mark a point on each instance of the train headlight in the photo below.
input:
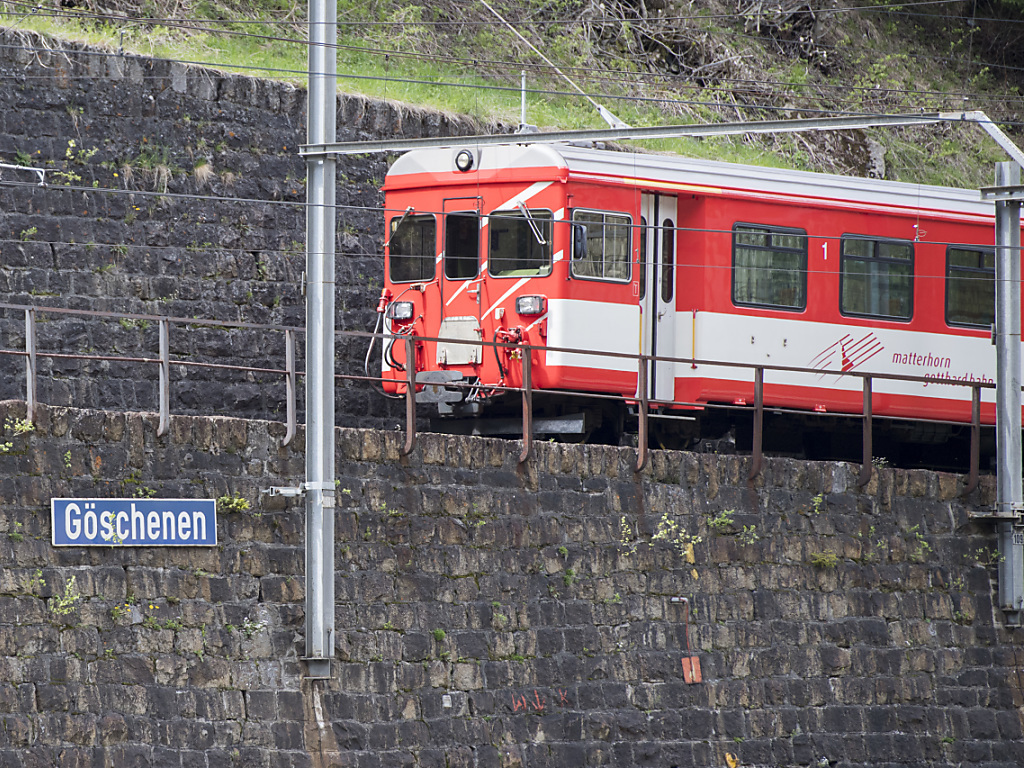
(464, 160)
(400, 310)
(531, 305)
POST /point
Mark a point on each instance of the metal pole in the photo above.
(643, 403)
(527, 396)
(410, 395)
(866, 448)
(975, 477)
(522, 105)
(164, 423)
(30, 364)
(320, 237)
(755, 452)
(1009, 496)
(289, 382)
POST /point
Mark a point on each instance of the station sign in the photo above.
(134, 522)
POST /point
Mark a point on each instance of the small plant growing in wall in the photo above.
(64, 604)
(498, 619)
(250, 627)
(722, 520)
(874, 548)
(36, 583)
(121, 610)
(919, 546)
(826, 559)
(14, 532)
(748, 535)
(132, 485)
(233, 503)
(671, 532)
(16, 427)
(985, 556)
(627, 536)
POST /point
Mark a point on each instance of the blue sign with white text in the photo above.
(134, 522)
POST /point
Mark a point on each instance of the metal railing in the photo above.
(641, 402)
(32, 355)
(644, 405)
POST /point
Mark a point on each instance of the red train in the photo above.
(557, 246)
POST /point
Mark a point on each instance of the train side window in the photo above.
(970, 286)
(641, 264)
(520, 246)
(605, 255)
(769, 266)
(412, 249)
(461, 245)
(668, 259)
(877, 277)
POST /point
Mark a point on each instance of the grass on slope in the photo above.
(275, 49)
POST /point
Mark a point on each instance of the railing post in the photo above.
(642, 455)
(865, 464)
(975, 477)
(289, 381)
(527, 405)
(30, 363)
(756, 455)
(410, 395)
(165, 379)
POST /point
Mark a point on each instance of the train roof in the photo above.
(654, 171)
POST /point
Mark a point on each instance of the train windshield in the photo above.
(412, 248)
(461, 245)
(520, 246)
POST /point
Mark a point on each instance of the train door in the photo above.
(461, 272)
(657, 273)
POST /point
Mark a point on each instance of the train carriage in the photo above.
(566, 248)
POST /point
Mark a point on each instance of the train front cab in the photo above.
(513, 253)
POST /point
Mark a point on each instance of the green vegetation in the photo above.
(670, 531)
(826, 559)
(233, 503)
(722, 520)
(16, 427)
(648, 68)
(65, 603)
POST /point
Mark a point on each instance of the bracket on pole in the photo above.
(291, 491)
(1010, 194)
(1004, 512)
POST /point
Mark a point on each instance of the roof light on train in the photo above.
(531, 305)
(400, 310)
(464, 160)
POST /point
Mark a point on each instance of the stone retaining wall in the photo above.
(178, 191)
(496, 615)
